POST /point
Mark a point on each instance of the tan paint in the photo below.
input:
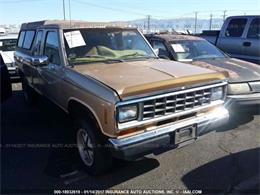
(132, 78)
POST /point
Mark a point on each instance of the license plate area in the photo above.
(185, 134)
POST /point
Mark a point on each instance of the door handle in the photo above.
(247, 44)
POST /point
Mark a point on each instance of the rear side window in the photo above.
(21, 38)
(52, 47)
(29, 36)
(254, 29)
(236, 27)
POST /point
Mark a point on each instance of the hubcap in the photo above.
(85, 147)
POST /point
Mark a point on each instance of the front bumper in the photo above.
(136, 146)
(242, 100)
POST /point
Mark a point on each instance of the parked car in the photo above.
(5, 84)
(239, 37)
(7, 48)
(125, 102)
(244, 77)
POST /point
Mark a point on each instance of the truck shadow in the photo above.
(47, 158)
(237, 173)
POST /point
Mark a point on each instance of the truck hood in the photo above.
(8, 56)
(239, 70)
(138, 77)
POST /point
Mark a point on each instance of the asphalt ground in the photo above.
(37, 158)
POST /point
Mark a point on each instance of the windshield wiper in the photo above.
(137, 56)
(100, 59)
(106, 59)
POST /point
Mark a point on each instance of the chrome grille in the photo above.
(175, 103)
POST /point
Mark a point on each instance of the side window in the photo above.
(37, 43)
(21, 38)
(51, 47)
(162, 50)
(29, 36)
(236, 27)
(254, 29)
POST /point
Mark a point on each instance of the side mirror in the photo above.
(40, 60)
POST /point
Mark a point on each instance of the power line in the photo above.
(108, 8)
(20, 1)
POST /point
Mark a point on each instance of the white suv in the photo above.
(7, 47)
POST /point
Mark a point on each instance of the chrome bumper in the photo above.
(242, 100)
(204, 122)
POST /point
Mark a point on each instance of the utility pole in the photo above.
(64, 18)
(224, 15)
(195, 25)
(210, 22)
(148, 21)
(70, 13)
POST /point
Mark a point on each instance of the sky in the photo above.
(19, 11)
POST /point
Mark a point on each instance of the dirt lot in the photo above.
(36, 158)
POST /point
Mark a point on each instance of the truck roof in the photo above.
(174, 37)
(244, 16)
(72, 24)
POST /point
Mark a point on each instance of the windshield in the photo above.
(195, 49)
(95, 45)
(8, 44)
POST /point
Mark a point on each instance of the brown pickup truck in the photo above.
(125, 102)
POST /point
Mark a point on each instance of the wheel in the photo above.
(95, 157)
(29, 94)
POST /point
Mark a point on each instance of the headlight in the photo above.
(9, 64)
(127, 113)
(238, 88)
(217, 93)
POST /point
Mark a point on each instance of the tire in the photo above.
(29, 94)
(94, 156)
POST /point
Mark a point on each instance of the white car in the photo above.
(7, 47)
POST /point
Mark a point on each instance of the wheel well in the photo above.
(77, 110)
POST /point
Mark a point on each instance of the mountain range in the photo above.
(180, 24)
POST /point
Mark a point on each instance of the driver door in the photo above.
(50, 76)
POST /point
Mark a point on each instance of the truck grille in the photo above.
(175, 103)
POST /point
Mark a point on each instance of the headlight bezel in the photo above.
(136, 110)
(218, 93)
(238, 88)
